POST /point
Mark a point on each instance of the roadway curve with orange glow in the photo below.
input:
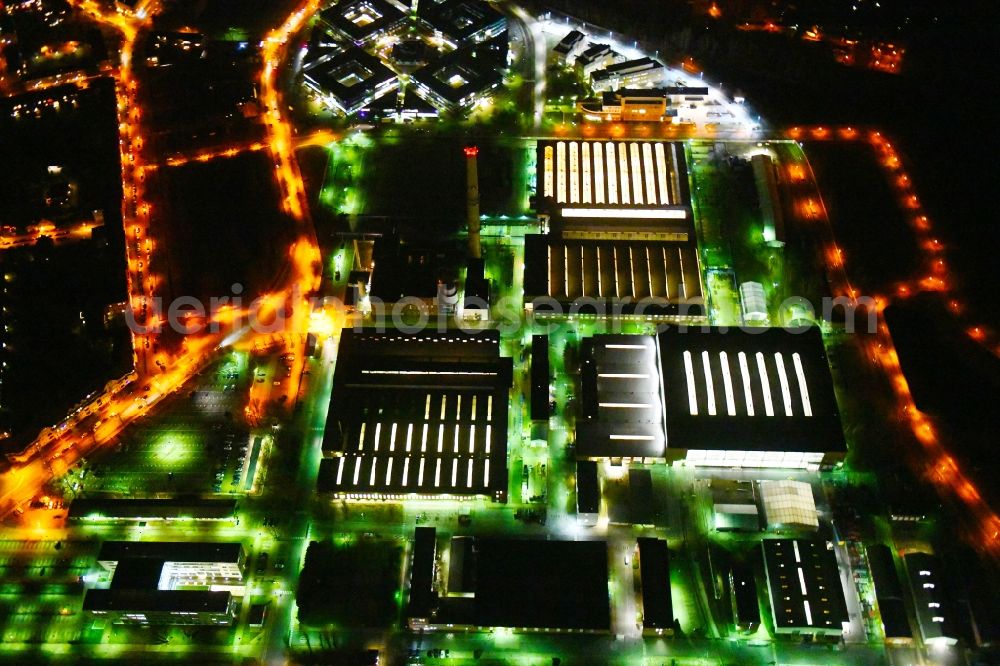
(939, 466)
(156, 377)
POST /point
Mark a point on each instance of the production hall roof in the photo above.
(422, 413)
(767, 391)
(804, 585)
(536, 584)
(622, 414)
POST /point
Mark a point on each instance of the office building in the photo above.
(168, 583)
(640, 73)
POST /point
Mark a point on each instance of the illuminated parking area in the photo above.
(417, 415)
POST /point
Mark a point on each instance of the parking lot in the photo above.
(197, 445)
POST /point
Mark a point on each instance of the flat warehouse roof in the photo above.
(744, 589)
(588, 491)
(883, 572)
(650, 277)
(422, 413)
(542, 584)
(641, 179)
(168, 601)
(804, 584)
(895, 623)
(619, 440)
(461, 565)
(540, 377)
(640, 496)
(654, 573)
(422, 571)
(765, 390)
(931, 601)
(622, 413)
(137, 573)
(171, 551)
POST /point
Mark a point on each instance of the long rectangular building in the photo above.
(767, 195)
(417, 415)
(654, 575)
(750, 398)
(710, 397)
(422, 595)
(803, 579)
(540, 377)
(935, 615)
(604, 277)
(622, 410)
(743, 590)
(888, 593)
(150, 607)
(642, 181)
(145, 509)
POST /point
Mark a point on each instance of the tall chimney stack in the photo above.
(472, 200)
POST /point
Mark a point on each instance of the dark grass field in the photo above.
(424, 180)
(953, 379)
(219, 17)
(221, 224)
(868, 221)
